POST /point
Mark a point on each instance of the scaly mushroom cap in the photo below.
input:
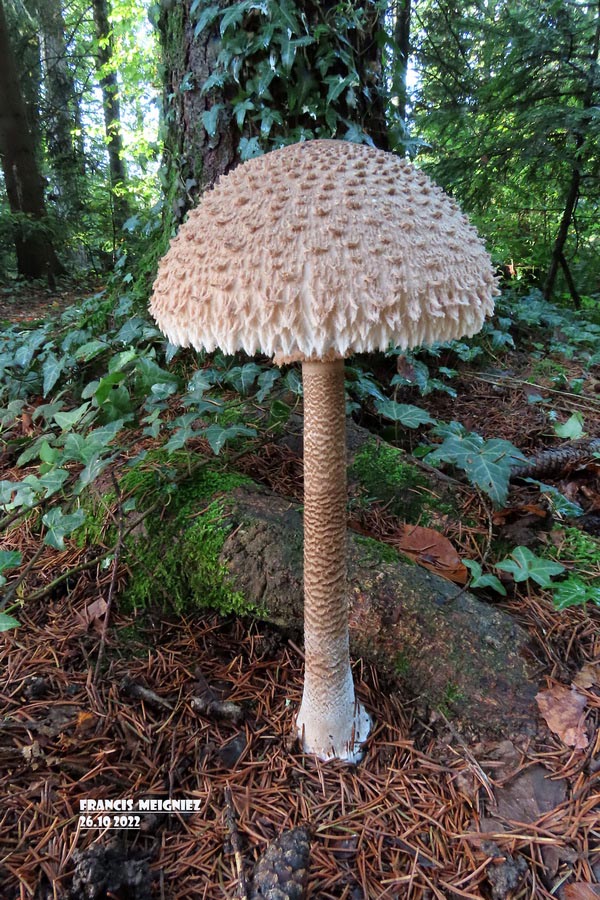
(320, 250)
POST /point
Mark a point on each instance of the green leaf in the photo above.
(572, 429)
(9, 559)
(68, 420)
(90, 350)
(243, 377)
(487, 464)
(210, 118)
(59, 525)
(51, 371)
(217, 436)
(206, 17)
(574, 592)
(479, 580)
(523, 564)
(266, 380)
(561, 505)
(52, 481)
(249, 148)
(405, 413)
(7, 622)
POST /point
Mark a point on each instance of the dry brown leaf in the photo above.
(562, 708)
(588, 675)
(580, 890)
(85, 721)
(432, 550)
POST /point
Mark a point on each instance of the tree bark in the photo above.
(24, 184)
(194, 159)
(402, 42)
(61, 109)
(112, 115)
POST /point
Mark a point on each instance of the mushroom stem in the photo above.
(330, 722)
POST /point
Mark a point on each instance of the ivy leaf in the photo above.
(266, 380)
(240, 110)
(217, 436)
(523, 564)
(487, 464)
(479, 580)
(88, 351)
(572, 429)
(9, 559)
(243, 377)
(7, 622)
(249, 148)
(59, 525)
(561, 505)
(210, 118)
(52, 481)
(206, 17)
(68, 420)
(51, 371)
(405, 413)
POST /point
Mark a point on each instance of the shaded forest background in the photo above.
(114, 116)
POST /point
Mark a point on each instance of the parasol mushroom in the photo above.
(311, 253)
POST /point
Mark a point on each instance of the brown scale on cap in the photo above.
(299, 226)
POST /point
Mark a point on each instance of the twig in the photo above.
(113, 581)
(236, 843)
(139, 692)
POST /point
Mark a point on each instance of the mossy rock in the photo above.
(175, 562)
(384, 473)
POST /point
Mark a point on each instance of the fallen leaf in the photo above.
(96, 609)
(85, 721)
(588, 675)
(562, 708)
(512, 512)
(580, 890)
(431, 550)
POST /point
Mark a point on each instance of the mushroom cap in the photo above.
(319, 250)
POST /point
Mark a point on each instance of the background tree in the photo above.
(112, 113)
(242, 78)
(504, 101)
(23, 180)
(61, 112)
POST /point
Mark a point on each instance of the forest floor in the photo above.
(98, 703)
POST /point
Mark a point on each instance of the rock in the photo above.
(464, 656)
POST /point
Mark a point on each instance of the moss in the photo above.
(575, 546)
(401, 664)
(177, 564)
(376, 551)
(452, 695)
(385, 475)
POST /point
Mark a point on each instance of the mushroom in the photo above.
(311, 253)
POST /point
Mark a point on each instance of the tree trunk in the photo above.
(112, 115)
(61, 109)
(588, 102)
(194, 158)
(402, 42)
(23, 181)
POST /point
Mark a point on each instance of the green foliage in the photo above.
(480, 580)
(287, 76)
(523, 564)
(506, 105)
(487, 464)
